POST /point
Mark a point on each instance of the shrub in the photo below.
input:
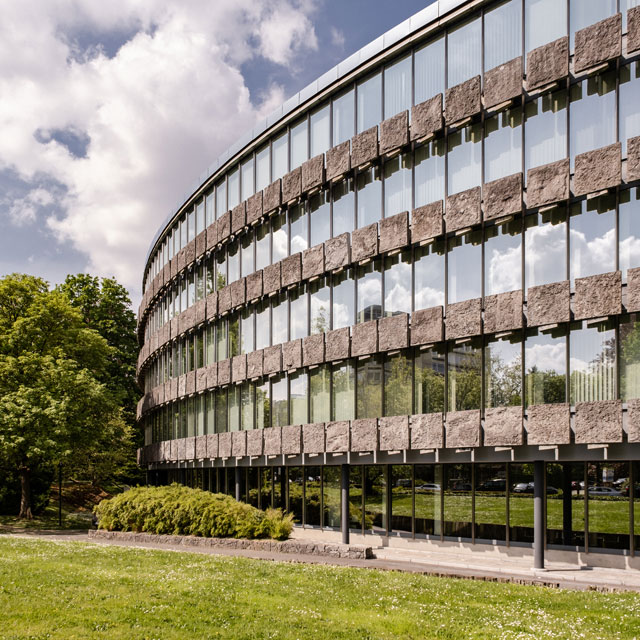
(179, 510)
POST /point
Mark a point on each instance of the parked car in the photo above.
(497, 484)
(527, 487)
(636, 491)
(428, 486)
(603, 491)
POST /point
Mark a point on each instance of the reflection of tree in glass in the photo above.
(503, 381)
(630, 360)
(465, 380)
(545, 387)
(320, 322)
(397, 386)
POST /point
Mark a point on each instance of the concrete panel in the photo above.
(254, 285)
(548, 63)
(336, 252)
(364, 338)
(598, 296)
(201, 379)
(426, 118)
(224, 372)
(254, 442)
(633, 30)
(292, 269)
(426, 326)
(394, 132)
(313, 350)
(549, 304)
(633, 420)
(393, 332)
(313, 437)
(224, 300)
(502, 197)
(212, 305)
(337, 344)
(182, 386)
(364, 147)
(224, 227)
(337, 436)
(597, 170)
(212, 375)
(239, 368)
(633, 290)
(212, 445)
(271, 278)
(190, 253)
(239, 444)
(463, 100)
(271, 197)
(598, 43)
(272, 441)
(364, 435)
(427, 222)
(224, 444)
(272, 360)
(548, 424)
(190, 448)
(212, 235)
(238, 293)
(503, 312)
(313, 173)
(292, 185)
(463, 209)
(394, 433)
(364, 242)
(313, 262)
(254, 208)
(394, 232)
(427, 431)
(463, 429)
(254, 364)
(201, 244)
(181, 449)
(633, 157)
(292, 355)
(338, 160)
(503, 83)
(292, 439)
(503, 427)
(598, 422)
(464, 319)
(238, 217)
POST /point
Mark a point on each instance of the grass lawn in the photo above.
(77, 590)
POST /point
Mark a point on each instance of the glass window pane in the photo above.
(319, 384)
(263, 250)
(429, 173)
(280, 315)
(299, 151)
(503, 258)
(429, 276)
(369, 197)
(233, 259)
(464, 267)
(629, 230)
(545, 133)
(503, 372)
(248, 406)
(429, 381)
(465, 52)
(234, 408)
(545, 247)
(299, 312)
(545, 21)
(331, 497)
(280, 414)
(458, 509)
(375, 498)
(429, 71)
(246, 331)
(295, 490)
(369, 98)
(587, 12)
(465, 159)
(630, 358)
(545, 360)
(221, 199)
(464, 368)
(247, 253)
(299, 230)
(369, 388)
(503, 145)
(279, 156)
(592, 359)
(320, 213)
(397, 385)
(221, 411)
(629, 100)
(502, 34)
(369, 292)
(343, 306)
(262, 168)
(343, 117)
(312, 502)
(428, 486)
(299, 394)
(280, 248)
(200, 221)
(397, 185)
(210, 208)
(343, 382)
(263, 406)
(397, 87)
(320, 131)
(234, 338)
(234, 188)
(247, 179)
(397, 284)
(221, 339)
(402, 498)
(491, 502)
(343, 207)
(320, 305)
(263, 325)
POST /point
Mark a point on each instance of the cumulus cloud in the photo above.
(124, 103)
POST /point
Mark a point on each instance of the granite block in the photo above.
(190, 448)
(503, 312)
(548, 63)
(598, 170)
(180, 257)
(633, 29)
(426, 118)
(394, 232)
(212, 235)
(181, 449)
(173, 269)
(212, 375)
(224, 226)
(190, 253)
(239, 368)
(337, 437)
(292, 439)
(271, 278)
(338, 160)
(254, 364)
(201, 244)
(503, 427)
(272, 197)
(427, 222)
(224, 300)
(238, 293)
(337, 344)
(598, 43)
(426, 326)
(549, 304)
(336, 252)
(212, 305)
(548, 424)
(313, 173)
(393, 332)
(463, 100)
(200, 312)
(364, 338)
(598, 422)
(364, 147)
(427, 431)
(502, 197)
(503, 83)
(463, 429)
(464, 319)
(212, 445)
(394, 433)
(182, 385)
(291, 269)
(254, 208)
(313, 262)
(239, 444)
(201, 379)
(633, 158)
(254, 442)
(272, 441)
(272, 360)
(364, 243)
(238, 217)
(463, 209)
(633, 420)
(313, 350)
(292, 185)
(633, 290)
(597, 296)
(394, 132)
(190, 384)
(224, 372)
(364, 435)
(254, 285)
(292, 355)
(174, 388)
(224, 444)
(201, 447)
(313, 437)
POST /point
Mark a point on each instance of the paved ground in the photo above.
(429, 563)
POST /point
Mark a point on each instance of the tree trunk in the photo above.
(25, 497)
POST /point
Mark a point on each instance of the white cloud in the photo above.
(156, 113)
(337, 38)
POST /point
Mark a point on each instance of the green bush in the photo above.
(179, 510)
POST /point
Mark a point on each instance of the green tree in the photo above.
(52, 402)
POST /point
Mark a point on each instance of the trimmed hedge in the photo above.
(179, 510)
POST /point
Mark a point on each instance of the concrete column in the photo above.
(238, 483)
(344, 490)
(566, 504)
(538, 514)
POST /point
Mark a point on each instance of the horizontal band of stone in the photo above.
(550, 424)
(298, 547)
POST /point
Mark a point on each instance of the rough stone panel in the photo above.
(224, 300)
(337, 344)
(503, 312)
(336, 252)
(200, 312)
(212, 235)
(254, 442)
(254, 364)
(224, 372)
(427, 431)
(292, 269)
(292, 185)
(166, 276)
(201, 244)
(237, 291)
(182, 385)
(426, 326)
(190, 448)
(393, 332)
(271, 197)
(364, 435)
(598, 422)
(633, 29)
(254, 208)
(212, 445)
(313, 350)
(271, 278)
(313, 437)
(598, 43)
(597, 170)
(394, 232)
(338, 160)
(224, 444)
(337, 437)
(633, 290)
(427, 222)
(394, 433)
(292, 355)
(364, 147)
(272, 441)
(502, 197)
(633, 420)
(292, 439)
(174, 388)
(272, 362)
(548, 424)
(181, 259)
(238, 217)
(201, 379)
(364, 243)
(463, 100)
(186, 319)
(597, 296)
(503, 427)
(394, 132)
(181, 453)
(503, 83)
(313, 262)
(313, 173)
(190, 253)
(212, 305)
(212, 375)
(173, 450)
(224, 226)
(190, 385)
(464, 319)
(239, 444)
(173, 269)
(254, 285)
(426, 118)
(633, 157)
(548, 63)
(239, 368)
(364, 338)
(463, 209)
(463, 429)
(549, 304)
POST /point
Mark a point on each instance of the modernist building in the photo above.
(406, 304)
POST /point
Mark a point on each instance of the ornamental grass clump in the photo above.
(179, 510)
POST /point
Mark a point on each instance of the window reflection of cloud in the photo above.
(341, 315)
(545, 254)
(279, 244)
(398, 299)
(504, 270)
(427, 297)
(546, 357)
(298, 243)
(369, 291)
(592, 256)
(629, 253)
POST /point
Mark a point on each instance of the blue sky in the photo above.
(117, 107)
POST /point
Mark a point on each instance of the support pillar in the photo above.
(538, 514)
(344, 491)
(238, 483)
